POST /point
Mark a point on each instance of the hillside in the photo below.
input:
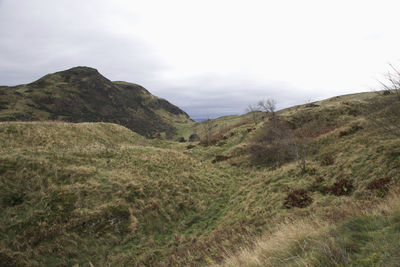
(82, 94)
(98, 194)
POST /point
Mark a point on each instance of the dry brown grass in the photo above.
(311, 235)
(99, 193)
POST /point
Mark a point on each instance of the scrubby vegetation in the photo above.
(99, 194)
(82, 94)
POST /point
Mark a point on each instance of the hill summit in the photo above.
(82, 94)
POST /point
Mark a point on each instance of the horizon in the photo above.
(194, 118)
(211, 59)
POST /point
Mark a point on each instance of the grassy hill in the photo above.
(224, 124)
(82, 94)
(98, 194)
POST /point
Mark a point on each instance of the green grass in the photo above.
(98, 193)
(82, 94)
(102, 180)
(367, 236)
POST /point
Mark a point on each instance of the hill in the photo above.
(98, 194)
(82, 94)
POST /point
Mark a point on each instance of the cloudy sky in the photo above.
(209, 57)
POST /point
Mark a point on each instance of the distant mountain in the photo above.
(82, 94)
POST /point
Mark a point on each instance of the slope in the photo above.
(96, 193)
(82, 94)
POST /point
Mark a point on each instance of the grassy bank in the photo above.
(97, 193)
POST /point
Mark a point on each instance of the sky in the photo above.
(209, 57)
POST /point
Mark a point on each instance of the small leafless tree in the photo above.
(270, 146)
(207, 130)
(384, 110)
(255, 112)
(301, 139)
(268, 106)
(282, 140)
(392, 84)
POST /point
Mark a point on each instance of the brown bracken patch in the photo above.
(297, 198)
(342, 187)
(380, 185)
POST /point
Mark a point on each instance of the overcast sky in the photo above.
(209, 57)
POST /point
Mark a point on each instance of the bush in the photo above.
(270, 145)
(342, 187)
(297, 198)
(383, 110)
(194, 138)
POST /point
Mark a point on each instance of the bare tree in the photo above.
(255, 112)
(301, 139)
(207, 127)
(281, 140)
(271, 145)
(392, 84)
(384, 110)
(268, 106)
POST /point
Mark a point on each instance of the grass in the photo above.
(97, 193)
(82, 94)
(110, 183)
(363, 238)
(218, 127)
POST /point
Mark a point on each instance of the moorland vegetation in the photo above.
(313, 185)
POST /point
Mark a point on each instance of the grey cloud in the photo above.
(40, 41)
(214, 96)
(45, 36)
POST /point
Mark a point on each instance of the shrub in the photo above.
(383, 110)
(194, 138)
(342, 187)
(297, 198)
(271, 145)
